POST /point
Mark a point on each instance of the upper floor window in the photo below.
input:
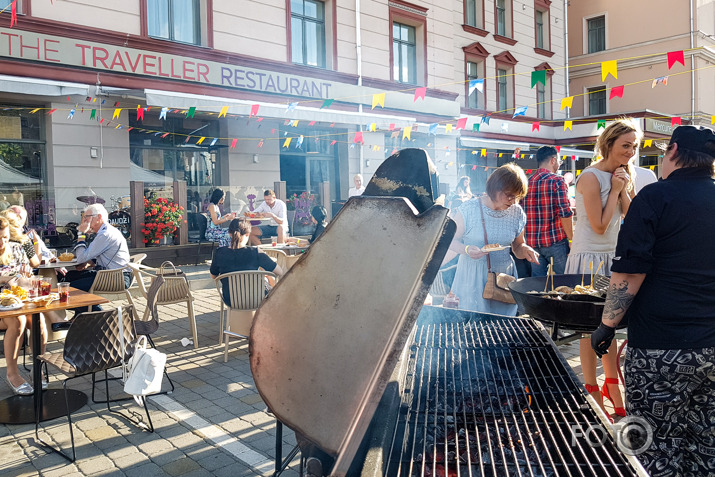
(540, 29)
(308, 32)
(596, 34)
(404, 51)
(505, 63)
(597, 100)
(502, 90)
(543, 93)
(501, 18)
(474, 71)
(474, 13)
(175, 20)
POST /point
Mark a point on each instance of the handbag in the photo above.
(146, 370)
(497, 286)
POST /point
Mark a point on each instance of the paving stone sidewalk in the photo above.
(213, 424)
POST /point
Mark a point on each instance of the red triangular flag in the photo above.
(358, 138)
(616, 91)
(233, 143)
(420, 93)
(254, 110)
(474, 167)
(140, 113)
(164, 135)
(13, 14)
(558, 148)
(674, 121)
(675, 57)
(312, 123)
(536, 126)
(51, 111)
(332, 143)
(391, 127)
(528, 171)
(461, 123)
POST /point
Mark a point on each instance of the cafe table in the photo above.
(49, 403)
(49, 270)
(289, 249)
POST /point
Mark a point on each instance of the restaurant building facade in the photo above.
(299, 94)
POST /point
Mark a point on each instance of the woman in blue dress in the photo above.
(505, 220)
(214, 231)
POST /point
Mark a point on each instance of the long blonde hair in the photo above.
(16, 224)
(604, 144)
(6, 256)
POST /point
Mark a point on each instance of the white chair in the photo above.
(439, 289)
(246, 291)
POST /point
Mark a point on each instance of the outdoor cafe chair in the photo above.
(247, 289)
(92, 345)
(110, 282)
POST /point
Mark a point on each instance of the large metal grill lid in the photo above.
(326, 340)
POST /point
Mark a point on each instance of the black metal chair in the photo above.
(92, 345)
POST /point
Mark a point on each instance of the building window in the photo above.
(540, 29)
(308, 32)
(501, 17)
(541, 100)
(175, 20)
(475, 99)
(474, 13)
(505, 63)
(597, 101)
(502, 85)
(596, 34)
(404, 50)
(543, 93)
(5, 5)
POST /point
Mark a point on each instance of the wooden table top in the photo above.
(78, 299)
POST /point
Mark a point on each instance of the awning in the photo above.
(41, 87)
(272, 110)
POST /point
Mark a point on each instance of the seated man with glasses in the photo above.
(108, 250)
(548, 213)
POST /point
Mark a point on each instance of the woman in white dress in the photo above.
(603, 194)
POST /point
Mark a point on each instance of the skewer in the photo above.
(599, 267)
(552, 274)
(590, 267)
(583, 272)
(546, 286)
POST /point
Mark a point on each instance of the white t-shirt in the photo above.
(353, 191)
(643, 177)
(279, 209)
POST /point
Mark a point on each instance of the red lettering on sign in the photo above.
(161, 72)
(50, 50)
(149, 64)
(31, 47)
(101, 59)
(134, 65)
(173, 73)
(9, 41)
(189, 68)
(118, 61)
(84, 48)
(202, 71)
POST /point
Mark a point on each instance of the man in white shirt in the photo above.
(643, 177)
(358, 189)
(276, 210)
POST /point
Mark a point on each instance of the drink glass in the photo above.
(274, 241)
(45, 287)
(32, 287)
(64, 290)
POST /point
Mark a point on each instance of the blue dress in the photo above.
(214, 233)
(503, 227)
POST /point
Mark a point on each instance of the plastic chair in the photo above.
(246, 290)
(174, 290)
(279, 256)
(92, 345)
(110, 282)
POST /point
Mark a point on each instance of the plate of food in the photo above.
(16, 291)
(10, 302)
(66, 257)
(494, 247)
(46, 299)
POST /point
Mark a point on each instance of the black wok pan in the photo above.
(578, 312)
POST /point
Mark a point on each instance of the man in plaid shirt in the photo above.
(549, 224)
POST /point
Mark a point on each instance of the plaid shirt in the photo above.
(545, 204)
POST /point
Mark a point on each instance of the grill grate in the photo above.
(493, 398)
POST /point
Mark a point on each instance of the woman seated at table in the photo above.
(237, 257)
(17, 234)
(214, 232)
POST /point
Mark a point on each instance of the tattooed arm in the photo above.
(621, 293)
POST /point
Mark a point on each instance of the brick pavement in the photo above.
(215, 422)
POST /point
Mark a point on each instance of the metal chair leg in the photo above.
(69, 423)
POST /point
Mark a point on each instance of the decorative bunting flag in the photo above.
(333, 142)
(486, 118)
(51, 111)
(475, 126)
(616, 91)
(312, 123)
(295, 123)
(504, 127)
(674, 121)
(558, 149)
(101, 121)
(92, 115)
(200, 140)
(601, 124)
(291, 107)
(260, 143)
(162, 114)
(299, 142)
(164, 135)
(648, 143)
(378, 100)
(215, 140)
(373, 127)
(712, 120)
(391, 127)
(474, 167)
(652, 168)
(190, 113)
(233, 143)
(327, 103)
(71, 114)
(406, 132)
(116, 113)
(140, 112)
(538, 77)
(462, 123)
(35, 110)
(448, 128)
(529, 171)
(358, 138)
(568, 125)
(433, 129)
(566, 103)
(609, 68)
(536, 126)
(520, 111)
(675, 57)
(477, 84)
(13, 14)
(484, 153)
(662, 80)
(420, 93)
(286, 143)
(223, 111)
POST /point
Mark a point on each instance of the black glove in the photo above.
(601, 339)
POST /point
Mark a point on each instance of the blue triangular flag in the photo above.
(291, 107)
(433, 128)
(520, 111)
(476, 84)
(162, 114)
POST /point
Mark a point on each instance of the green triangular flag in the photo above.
(190, 112)
(538, 76)
(93, 114)
(475, 127)
(601, 124)
(327, 103)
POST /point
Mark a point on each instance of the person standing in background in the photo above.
(359, 188)
(549, 218)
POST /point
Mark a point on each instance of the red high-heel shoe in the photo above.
(618, 411)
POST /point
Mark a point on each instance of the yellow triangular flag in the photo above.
(648, 143)
(568, 125)
(200, 140)
(448, 128)
(378, 99)
(223, 112)
(37, 109)
(712, 120)
(609, 67)
(578, 172)
(501, 154)
(450, 164)
(295, 123)
(373, 127)
(406, 132)
(116, 113)
(652, 168)
(566, 102)
(484, 152)
(287, 142)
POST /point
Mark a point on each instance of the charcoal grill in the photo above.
(336, 356)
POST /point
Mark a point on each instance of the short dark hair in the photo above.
(508, 178)
(216, 195)
(545, 153)
(319, 213)
(268, 192)
(696, 147)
